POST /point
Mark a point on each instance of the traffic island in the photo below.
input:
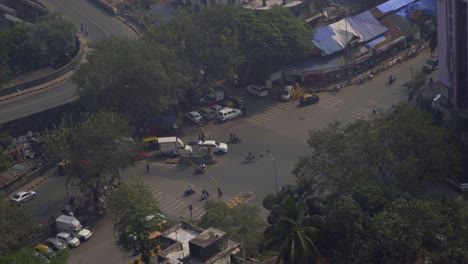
(240, 199)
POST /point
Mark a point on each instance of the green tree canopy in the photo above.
(294, 234)
(16, 228)
(96, 149)
(404, 148)
(136, 215)
(242, 223)
(137, 78)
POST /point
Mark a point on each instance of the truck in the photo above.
(71, 225)
(172, 145)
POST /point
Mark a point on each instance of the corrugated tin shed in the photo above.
(403, 24)
(336, 36)
(427, 6)
(366, 26)
(323, 40)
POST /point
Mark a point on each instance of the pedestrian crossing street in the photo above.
(176, 207)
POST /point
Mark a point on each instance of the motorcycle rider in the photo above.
(189, 189)
(203, 167)
(250, 156)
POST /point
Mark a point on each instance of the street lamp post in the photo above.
(175, 127)
(272, 158)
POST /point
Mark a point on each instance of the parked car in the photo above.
(207, 113)
(462, 187)
(23, 196)
(45, 250)
(68, 239)
(258, 91)
(228, 113)
(216, 146)
(193, 117)
(307, 99)
(431, 64)
(55, 244)
(287, 93)
(238, 102)
(216, 107)
(41, 258)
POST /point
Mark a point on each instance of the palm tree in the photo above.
(294, 234)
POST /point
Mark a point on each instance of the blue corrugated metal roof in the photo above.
(323, 40)
(393, 5)
(367, 26)
(427, 6)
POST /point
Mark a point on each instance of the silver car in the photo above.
(23, 196)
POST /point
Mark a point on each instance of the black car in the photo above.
(55, 244)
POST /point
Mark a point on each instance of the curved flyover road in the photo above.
(100, 25)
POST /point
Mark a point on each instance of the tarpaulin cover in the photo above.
(427, 6)
(335, 37)
(366, 26)
(323, 40)
(393, 5)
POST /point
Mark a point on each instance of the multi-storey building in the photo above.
(452, 30)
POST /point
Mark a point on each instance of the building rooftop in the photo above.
(258, 4)
(183, 236)
(207, 237)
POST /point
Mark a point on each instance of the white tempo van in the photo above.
(287, 93)
(228, 113)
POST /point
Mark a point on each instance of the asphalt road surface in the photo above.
(281, 128)
(100, 25)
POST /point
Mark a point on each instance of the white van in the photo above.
(228, 113)
(287, 93)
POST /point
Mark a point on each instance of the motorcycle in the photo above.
(249, 158)
(336, 89)
(189, 192)
(360, 79)
(198, 171)
(235, 140)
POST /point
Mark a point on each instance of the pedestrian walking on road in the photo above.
(374, 112)
(82, 27)
(147, 167)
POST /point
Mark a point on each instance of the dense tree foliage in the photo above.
(294, 234)
(16, 227)
(136, 215)
(96, 149)
(404, 148)
(242, 223)
(135, 77)
(176, 61)
(27, 255)
(5, 158)
(369, 181)
(25, 47)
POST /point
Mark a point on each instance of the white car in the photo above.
(193, 117)
(287, 93)
(24, 196)
(68, 239)
(216, 146)
(227, 114)
(258, 91)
